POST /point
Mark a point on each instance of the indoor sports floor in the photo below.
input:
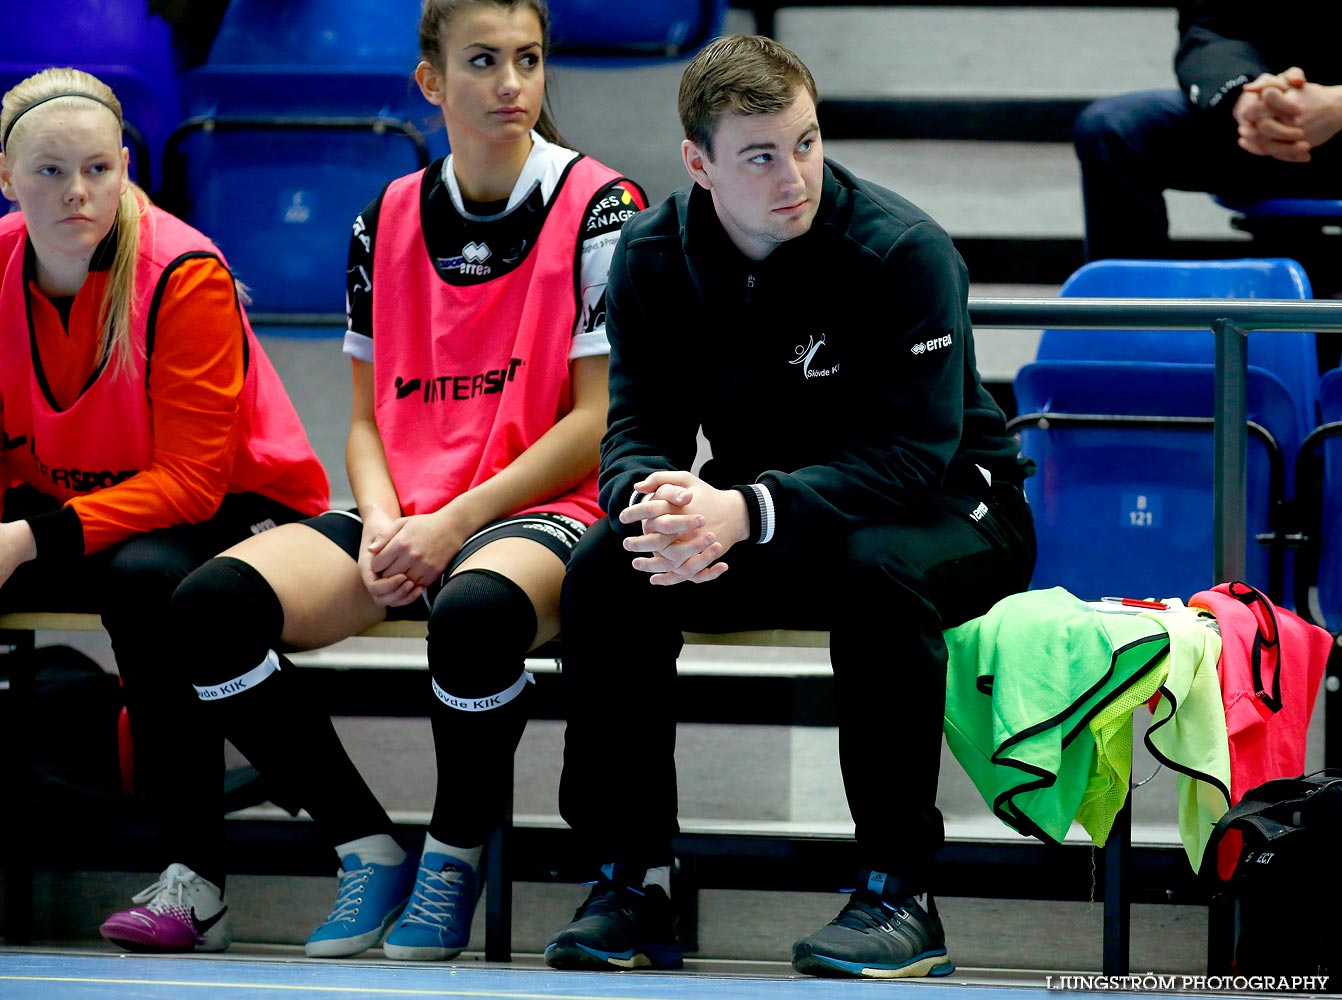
(70, 974)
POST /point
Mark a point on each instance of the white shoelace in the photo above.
(349, 895)
(437, 895)
(167, 891)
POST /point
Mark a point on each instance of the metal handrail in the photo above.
(1230, 321)
(1157, 314)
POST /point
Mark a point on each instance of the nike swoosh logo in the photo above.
(204, 925)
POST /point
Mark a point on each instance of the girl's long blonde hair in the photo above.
(114, 313)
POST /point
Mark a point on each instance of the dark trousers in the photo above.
(178, 753)
(885, 592)
(1135, 147)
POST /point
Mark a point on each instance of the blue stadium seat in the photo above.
(660, 29)
(301, 114)
(118, 41)
(1122, 504)
(1120, 423)
(1307, 229)
(336, 34)
(1325, 210)
(1292, 356)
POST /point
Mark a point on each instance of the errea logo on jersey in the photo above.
(935, 344)
(471, 261)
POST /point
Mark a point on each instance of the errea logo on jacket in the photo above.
(934, 344)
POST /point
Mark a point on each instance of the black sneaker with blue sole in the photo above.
(619, 927)
(872, 938)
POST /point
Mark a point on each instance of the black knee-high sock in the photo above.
(233, 619)
(479, 632)
(179, 756)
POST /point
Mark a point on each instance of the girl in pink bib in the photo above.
(476, 302)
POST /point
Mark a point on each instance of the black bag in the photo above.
(75, 711)
(78, 750)
(1288, 879)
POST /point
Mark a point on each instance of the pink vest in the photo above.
(468, 378)
(1272, 661)
(107, 434)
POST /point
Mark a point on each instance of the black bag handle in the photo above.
(1252, 598)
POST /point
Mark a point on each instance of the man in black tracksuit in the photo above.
(815, 327)
(1257, 116)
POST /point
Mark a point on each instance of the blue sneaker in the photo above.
(436, 925)
(368, 901)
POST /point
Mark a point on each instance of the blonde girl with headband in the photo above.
(144, 429)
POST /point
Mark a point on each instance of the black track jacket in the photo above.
(838, 372)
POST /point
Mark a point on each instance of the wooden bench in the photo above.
(986, 861)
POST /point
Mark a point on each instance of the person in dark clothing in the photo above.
(1257, 116)
(815, 327)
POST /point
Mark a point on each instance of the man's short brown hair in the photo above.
(750, 74)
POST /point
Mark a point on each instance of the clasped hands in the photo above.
(403, 556)
(687, 526)
(1284, 116)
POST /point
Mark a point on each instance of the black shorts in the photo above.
(558, 533)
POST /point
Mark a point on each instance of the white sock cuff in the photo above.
(253, 677)
(489, 701)
(659, 876)
(379, 849)
(470, 855)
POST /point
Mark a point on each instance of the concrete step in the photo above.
(945, 50)
(1006, 189)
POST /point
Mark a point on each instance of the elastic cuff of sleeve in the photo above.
(760, 509)
(768, 519)
(752, 510)
(58, 535)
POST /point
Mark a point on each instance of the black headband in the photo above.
(4, 140)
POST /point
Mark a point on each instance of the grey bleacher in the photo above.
(627, 118)
(973, 189)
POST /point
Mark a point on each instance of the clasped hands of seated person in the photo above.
(1284, 116)
(687, 527)
(403, 556)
